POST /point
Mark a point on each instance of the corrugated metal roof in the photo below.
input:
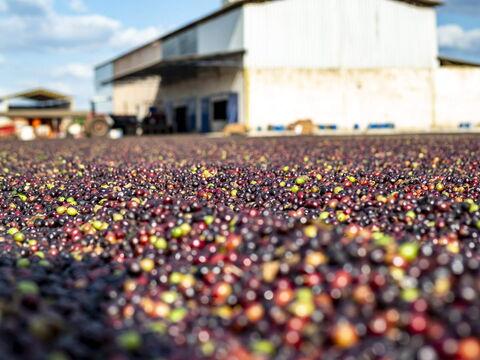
(235, 5)
(241, 3)
(38, 94)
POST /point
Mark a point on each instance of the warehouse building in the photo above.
(267, 63)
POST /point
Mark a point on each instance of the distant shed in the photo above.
(39, 107)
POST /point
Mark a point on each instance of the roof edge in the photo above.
(427, 3)
(451, 61)
(126, 53)
(24, 94)
(223, 10)
(241, 3)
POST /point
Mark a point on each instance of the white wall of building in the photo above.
(341, 97)
(340, 34)
(136, 97)
(457, 96)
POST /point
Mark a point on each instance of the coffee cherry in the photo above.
(344, 335)
(409, 251)
(72, 211)
(130, 340)
(221, 292)
(147, 265)
(61, 210)
(254, 312)
(469, 349)
(19, 237)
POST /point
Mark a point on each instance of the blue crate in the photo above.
(381, 126)
(277, 128)
(327, 127)
(465, 125)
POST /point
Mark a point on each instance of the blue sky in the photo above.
(56, 43)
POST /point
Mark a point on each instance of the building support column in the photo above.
(246, 97)
(433, 91)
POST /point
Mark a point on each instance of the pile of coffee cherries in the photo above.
(285, 248)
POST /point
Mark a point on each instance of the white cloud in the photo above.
(77, 31)
(60, 86)
(35, 25)
(2, 59)
(78, 6)
(129, 37)
(453, 36)
(75, 70)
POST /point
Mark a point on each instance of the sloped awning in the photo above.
(184, 66)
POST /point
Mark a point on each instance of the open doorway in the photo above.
(220, 114)
(218, 111)
(181, 119)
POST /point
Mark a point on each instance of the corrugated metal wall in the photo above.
(221, 34)
(104, 90)
(185, 43)
(340, 34)
(103, 73)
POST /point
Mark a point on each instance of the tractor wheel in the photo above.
(99, 128)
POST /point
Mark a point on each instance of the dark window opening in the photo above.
(220, 110)
(181, 119)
